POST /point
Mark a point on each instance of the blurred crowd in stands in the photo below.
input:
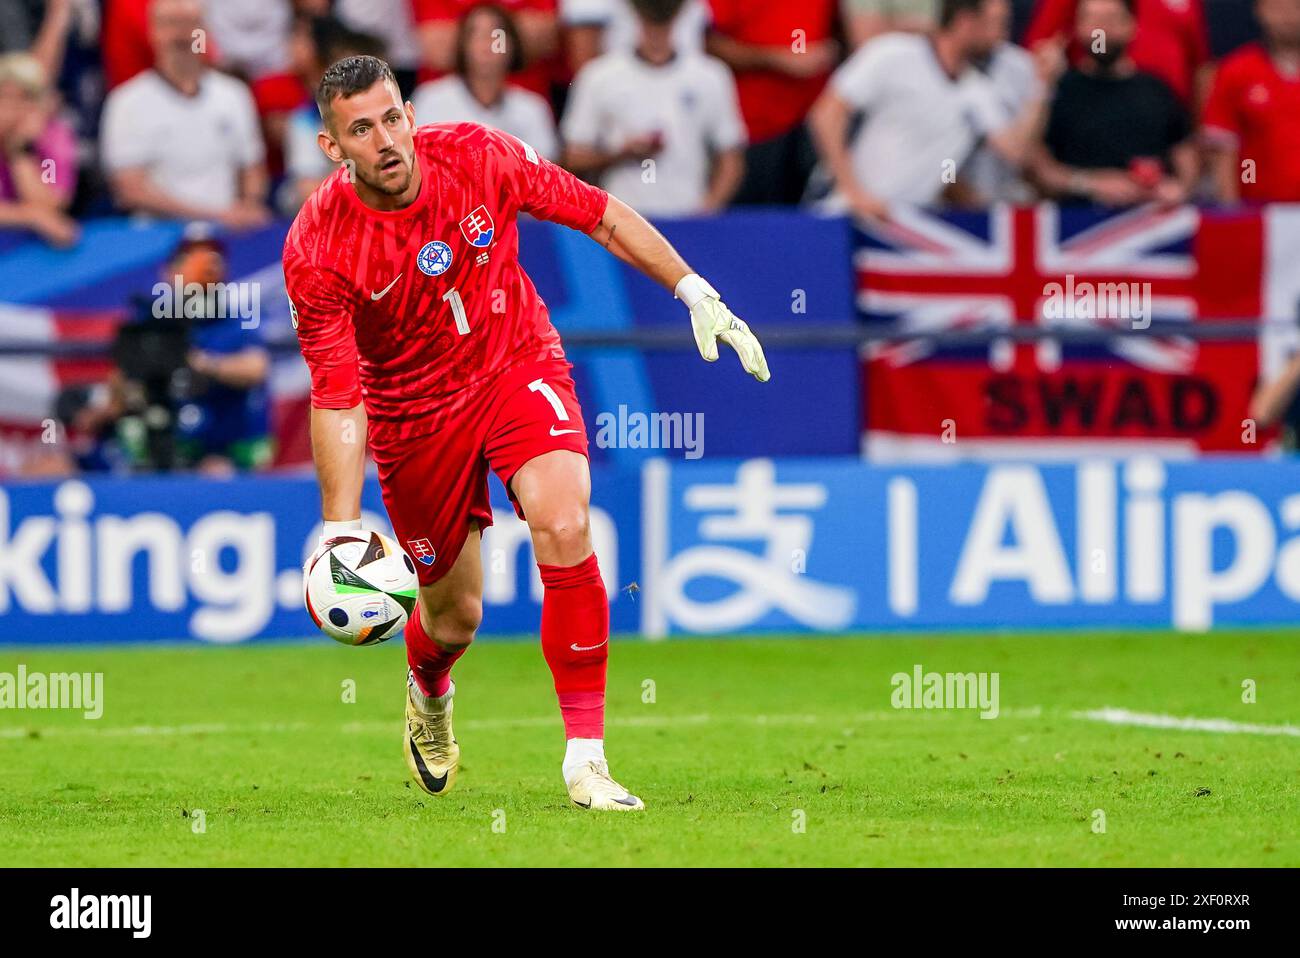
(202, 109)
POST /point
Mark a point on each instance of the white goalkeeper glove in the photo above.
(329, 529)
(712, 321)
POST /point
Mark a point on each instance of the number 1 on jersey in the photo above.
(457, 310)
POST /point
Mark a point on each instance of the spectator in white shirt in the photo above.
(1018, 83)
(924, 109)
(658, 127)
(864, 20)
(251, 37)
(593, 27)
(182, 141)
(488, 50)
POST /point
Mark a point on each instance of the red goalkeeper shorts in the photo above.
(435, 485)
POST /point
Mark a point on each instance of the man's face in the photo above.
(993, 27)
(174, 26)
(374, 133)
(486, 50)
(1104, 28)
(303, 58)
(1280, 20)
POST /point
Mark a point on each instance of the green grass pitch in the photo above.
(745, 741)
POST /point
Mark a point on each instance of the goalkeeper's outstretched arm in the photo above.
(338, 445)
(626, 234)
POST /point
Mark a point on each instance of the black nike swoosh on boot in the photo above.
(432, 783)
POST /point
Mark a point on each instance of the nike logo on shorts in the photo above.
(561, 432)
(376, 297)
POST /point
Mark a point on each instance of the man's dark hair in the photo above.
(350, 76)
(658, 11)
(507, 24)
(949, 10)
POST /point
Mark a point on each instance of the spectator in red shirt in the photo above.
(1252, 118)
(1171, 39)
(782, 55)
(539, 35)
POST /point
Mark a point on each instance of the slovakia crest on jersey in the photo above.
(477, 228)
(434, 259)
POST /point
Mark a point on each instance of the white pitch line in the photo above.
(1114, 716)
(489, 724)
(1110, 716)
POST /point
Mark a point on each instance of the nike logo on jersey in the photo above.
(376, 297)
(561, 432)
(587, 648)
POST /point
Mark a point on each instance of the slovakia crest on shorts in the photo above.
(477, 228)
(422, 551)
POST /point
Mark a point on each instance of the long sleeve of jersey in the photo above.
(322, 317)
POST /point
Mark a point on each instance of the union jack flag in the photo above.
(1058, 269)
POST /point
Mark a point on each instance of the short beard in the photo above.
(1108, 57)
(396, 190)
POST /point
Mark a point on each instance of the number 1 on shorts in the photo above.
(541, 386)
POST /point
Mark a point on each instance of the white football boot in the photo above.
(591, 787)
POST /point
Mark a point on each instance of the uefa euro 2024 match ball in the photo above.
(360, 588)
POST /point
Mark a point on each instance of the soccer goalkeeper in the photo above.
(424, 335)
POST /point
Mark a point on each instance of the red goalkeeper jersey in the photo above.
(410, 310)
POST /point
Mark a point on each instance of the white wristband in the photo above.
(336, 527)
(692, 289)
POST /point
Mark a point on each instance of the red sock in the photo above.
(575, 641)
(430, 662)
